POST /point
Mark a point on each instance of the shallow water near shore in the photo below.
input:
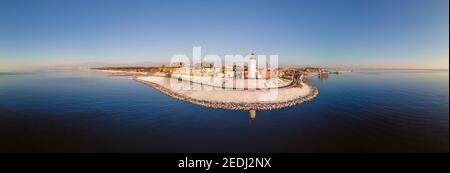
(85, 111)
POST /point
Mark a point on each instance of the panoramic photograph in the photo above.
(224, 76)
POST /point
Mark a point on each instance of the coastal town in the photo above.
(224, 71)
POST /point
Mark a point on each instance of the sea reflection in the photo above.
(252, 115)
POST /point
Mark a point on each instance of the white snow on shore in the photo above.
(218, 94)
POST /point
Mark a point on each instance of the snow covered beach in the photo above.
(234, 99)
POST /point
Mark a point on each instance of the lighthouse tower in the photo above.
(252, 66)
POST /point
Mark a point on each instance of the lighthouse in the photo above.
(252, 66)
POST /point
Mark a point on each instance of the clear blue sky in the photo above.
(365, 33)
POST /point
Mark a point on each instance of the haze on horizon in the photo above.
(328, 33)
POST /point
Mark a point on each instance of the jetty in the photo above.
(234, 99)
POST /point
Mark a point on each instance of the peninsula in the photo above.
(206, 88)
(235, 87)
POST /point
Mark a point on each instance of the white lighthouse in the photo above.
(252, 66)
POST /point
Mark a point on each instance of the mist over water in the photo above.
(362, 111)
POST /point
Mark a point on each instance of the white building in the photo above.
(252, 66)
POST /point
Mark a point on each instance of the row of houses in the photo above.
(227, 72)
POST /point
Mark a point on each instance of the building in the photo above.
(267, 72)
(252, 66)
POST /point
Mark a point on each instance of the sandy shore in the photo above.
(216, 97)
(120, 72)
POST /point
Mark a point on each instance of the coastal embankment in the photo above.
(233, 99)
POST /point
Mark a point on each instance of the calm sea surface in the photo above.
(82, 111)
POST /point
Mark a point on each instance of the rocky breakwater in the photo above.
(234, 99)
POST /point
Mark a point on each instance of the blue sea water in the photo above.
(85, 111)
